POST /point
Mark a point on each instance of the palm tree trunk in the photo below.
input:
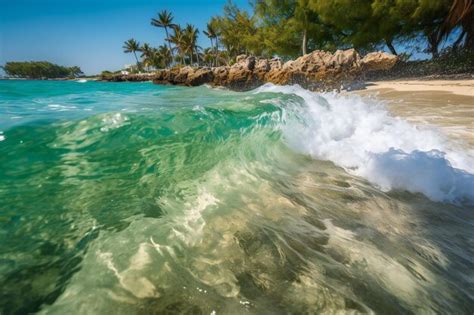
(212, 47)
(390, 46)
(216, 52)
(136, 58)
(432, 44)
(197, 56)
(468, 27)
(459, 40)
(304, 44)
(168, 40)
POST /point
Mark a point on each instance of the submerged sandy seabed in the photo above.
(448, 104)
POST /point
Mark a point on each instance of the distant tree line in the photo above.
(40, 70)
(290, 28)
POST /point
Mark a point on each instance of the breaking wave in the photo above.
(133, 198)
(362, 137)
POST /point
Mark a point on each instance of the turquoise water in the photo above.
(132, 198)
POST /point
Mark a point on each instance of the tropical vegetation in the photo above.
(132, 46)
(40, 70)
(290, 28)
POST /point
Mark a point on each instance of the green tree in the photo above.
(428, 17)
(208, 57)
(147, 55)
(355, 25)
(290, 28)
(293, 27)
(372, 23)
(132, 46)
(211, 33)
(165, 56)
(179, 41)
(461, 14)
(40, 70)
(164, 20)
(190, 42)
(238, 32)
(75, 71)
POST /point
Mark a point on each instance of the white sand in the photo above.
(447, 104)
(460, 87)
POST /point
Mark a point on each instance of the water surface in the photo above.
(133, 198)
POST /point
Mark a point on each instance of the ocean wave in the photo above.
(200, 199)
(362, 137)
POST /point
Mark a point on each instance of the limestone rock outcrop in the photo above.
(318, 70)
(200, 76)
(378, 60)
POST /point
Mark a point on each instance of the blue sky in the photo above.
(90, 33)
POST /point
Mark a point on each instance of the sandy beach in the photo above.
(459, 87)
(448, 104)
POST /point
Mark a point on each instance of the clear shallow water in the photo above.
(135, 198)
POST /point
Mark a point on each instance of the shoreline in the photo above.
(316, 71)
(456, 86)
(447, 105)
(459, 85)
(97, 78)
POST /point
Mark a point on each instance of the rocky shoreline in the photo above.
(318, 70)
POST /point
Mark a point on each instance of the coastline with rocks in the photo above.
(237, 157)
(318, 70)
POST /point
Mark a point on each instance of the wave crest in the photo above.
(363, 138)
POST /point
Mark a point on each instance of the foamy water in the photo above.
(362, 137)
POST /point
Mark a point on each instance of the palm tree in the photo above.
(208, 56)
(216, 29)
(178, 39)
(75, 71)
(132, 46)
(155, 59)
(165, 53)
(211, 34)
(164, 20)
(147, 54)
(191, 34)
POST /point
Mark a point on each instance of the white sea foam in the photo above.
(61, 108)
(81, 81)
(2, 137)
(363, 138)
(113, 121)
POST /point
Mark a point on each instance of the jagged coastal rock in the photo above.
(318, 70)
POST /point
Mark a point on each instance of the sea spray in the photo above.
(364, 139)
(139, 198)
